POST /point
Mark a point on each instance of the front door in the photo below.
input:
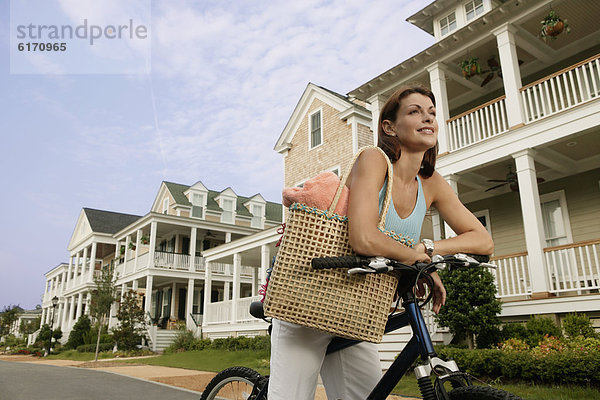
(182, 303)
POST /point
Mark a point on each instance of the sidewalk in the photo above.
(183, 378)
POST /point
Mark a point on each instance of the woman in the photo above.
(407, 133)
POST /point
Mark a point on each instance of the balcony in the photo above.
(571, 269)
(560, 91)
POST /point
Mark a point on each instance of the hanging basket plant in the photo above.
(470, 67)
(132, 246)
(122, 249)
(553, 25)
(144, 240)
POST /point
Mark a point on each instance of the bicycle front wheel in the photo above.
(236, 383)
(481, 393)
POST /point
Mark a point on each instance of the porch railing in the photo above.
(562, 90)
(243, 309)
(171, 260)
(512, 275)
(218, 313)
(573, 267)
(478, 124)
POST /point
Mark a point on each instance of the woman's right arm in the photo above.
(365, 181)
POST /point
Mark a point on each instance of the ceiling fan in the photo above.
(494, 69)
(511, 180)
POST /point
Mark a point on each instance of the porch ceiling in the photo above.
(571, 155)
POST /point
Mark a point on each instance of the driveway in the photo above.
(33, 381)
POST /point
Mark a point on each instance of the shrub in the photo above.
(578, 325)
(489, 338)
(91, 348)
(554, 367)
(513, 344)
(185, 341)
(80, 329)
(538, 327)
(514, 330)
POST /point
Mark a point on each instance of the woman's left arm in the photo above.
(472, 237)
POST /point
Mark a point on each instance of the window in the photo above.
(257, 211)
(316, 134)
(473, 9)
(227, 206)
(166, 206)
(197, 205)
(555, 217)
(448, 23)
(484, 217)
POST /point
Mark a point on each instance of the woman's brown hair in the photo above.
(391, 144)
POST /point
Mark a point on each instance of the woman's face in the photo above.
(415, 124)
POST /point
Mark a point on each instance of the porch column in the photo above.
(193, 234)
(65, 313)
(118, 250)
(79, 304)
(71, 312)
(76, 269)
(92, 262)
(84, 265)
(138, 243)
(452, 180)
(437, 225)
(61, 311)
(227, 237)
(207, 289)
(43, 317)
(148, 294)
(189, 306)
(377, 101)
(265, 255)
(237, 264)
(126, 255)
(511, 74)
(69, 270)
(532, 222)
(226, 291)
(88, 303)
(255, 280)
(123, 290)
(111, 315)
(437, 78)
(152, 243)
(134, 285)
(173, 297)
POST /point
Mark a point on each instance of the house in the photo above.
(161, 257)
(519, 143)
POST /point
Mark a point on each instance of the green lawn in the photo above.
(217, 360)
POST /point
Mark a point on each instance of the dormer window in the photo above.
(228, 209)
(315, 131)
(198, 205)
(258, 213)
(473, 9)
(448, 23)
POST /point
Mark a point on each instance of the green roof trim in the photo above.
(107, 221)
(272, 210)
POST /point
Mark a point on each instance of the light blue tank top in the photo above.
(406, 230)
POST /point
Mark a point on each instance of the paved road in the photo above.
(27, 381)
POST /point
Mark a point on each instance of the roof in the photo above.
(272, 210)
(108, 221)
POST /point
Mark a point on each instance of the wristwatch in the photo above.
(429, 246)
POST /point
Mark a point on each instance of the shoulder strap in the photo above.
(388, 192)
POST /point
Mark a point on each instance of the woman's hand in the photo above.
(439, 291)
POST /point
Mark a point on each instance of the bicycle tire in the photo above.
(233, 383)
(480, 393)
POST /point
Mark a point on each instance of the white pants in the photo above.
(298, 354)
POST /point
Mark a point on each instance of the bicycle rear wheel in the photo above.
(481, 393)
(236, 383)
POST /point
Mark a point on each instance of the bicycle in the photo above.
(245, 383)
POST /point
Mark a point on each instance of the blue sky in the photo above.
(222, 81)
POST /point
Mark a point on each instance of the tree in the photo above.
(471, 305)
(102, 299)
(8, 317)
(28, 327)
(80, 329)
(44, 336)
(131, 327)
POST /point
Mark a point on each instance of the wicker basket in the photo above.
(328, 300)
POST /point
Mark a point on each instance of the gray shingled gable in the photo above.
(107, 221)
(272, 210)
(345, 98)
